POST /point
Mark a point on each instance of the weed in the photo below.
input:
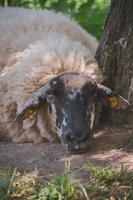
(107, 182)
(5, 179)
(61, 188)
(103, 184)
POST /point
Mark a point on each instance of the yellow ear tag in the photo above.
(28, 113)
(113, 102)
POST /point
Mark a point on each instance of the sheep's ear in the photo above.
(110, 98)
(33, 103)
(29, 108)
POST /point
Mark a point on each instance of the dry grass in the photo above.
(103, 184)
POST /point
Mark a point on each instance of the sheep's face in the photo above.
(70, 100)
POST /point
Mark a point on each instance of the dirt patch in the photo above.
(111, 145)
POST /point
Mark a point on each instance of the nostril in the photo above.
(79, 136)
(76, 135)
(85, 138)
(69, 135)
(82, 136)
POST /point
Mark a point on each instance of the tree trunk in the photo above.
(115, 54)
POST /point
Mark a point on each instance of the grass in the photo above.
(107, 183)
(102, 184)
(5, 179)
(61, 188)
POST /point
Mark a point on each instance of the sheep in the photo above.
(49, 79)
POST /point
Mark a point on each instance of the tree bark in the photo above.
(115, 54)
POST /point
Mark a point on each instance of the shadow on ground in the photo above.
(112, 145)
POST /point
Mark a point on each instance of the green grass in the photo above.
(61, 188)
(5, 180)
(103, 184)
(107, 183)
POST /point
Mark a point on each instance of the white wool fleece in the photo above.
(36, 46)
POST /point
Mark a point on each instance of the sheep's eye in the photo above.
(72, 92)
(49, 94)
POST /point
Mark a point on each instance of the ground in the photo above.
(112, 145)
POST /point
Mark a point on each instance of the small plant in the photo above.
(101, 174)
(103, 184)
(5, 179)
(61, 188)
(107, 174)
(107, 182)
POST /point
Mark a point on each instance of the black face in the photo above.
(70, 99)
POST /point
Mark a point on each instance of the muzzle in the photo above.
(76, 143)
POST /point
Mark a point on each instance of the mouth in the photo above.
(78, 148)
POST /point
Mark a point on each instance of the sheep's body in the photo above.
(36, 46)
